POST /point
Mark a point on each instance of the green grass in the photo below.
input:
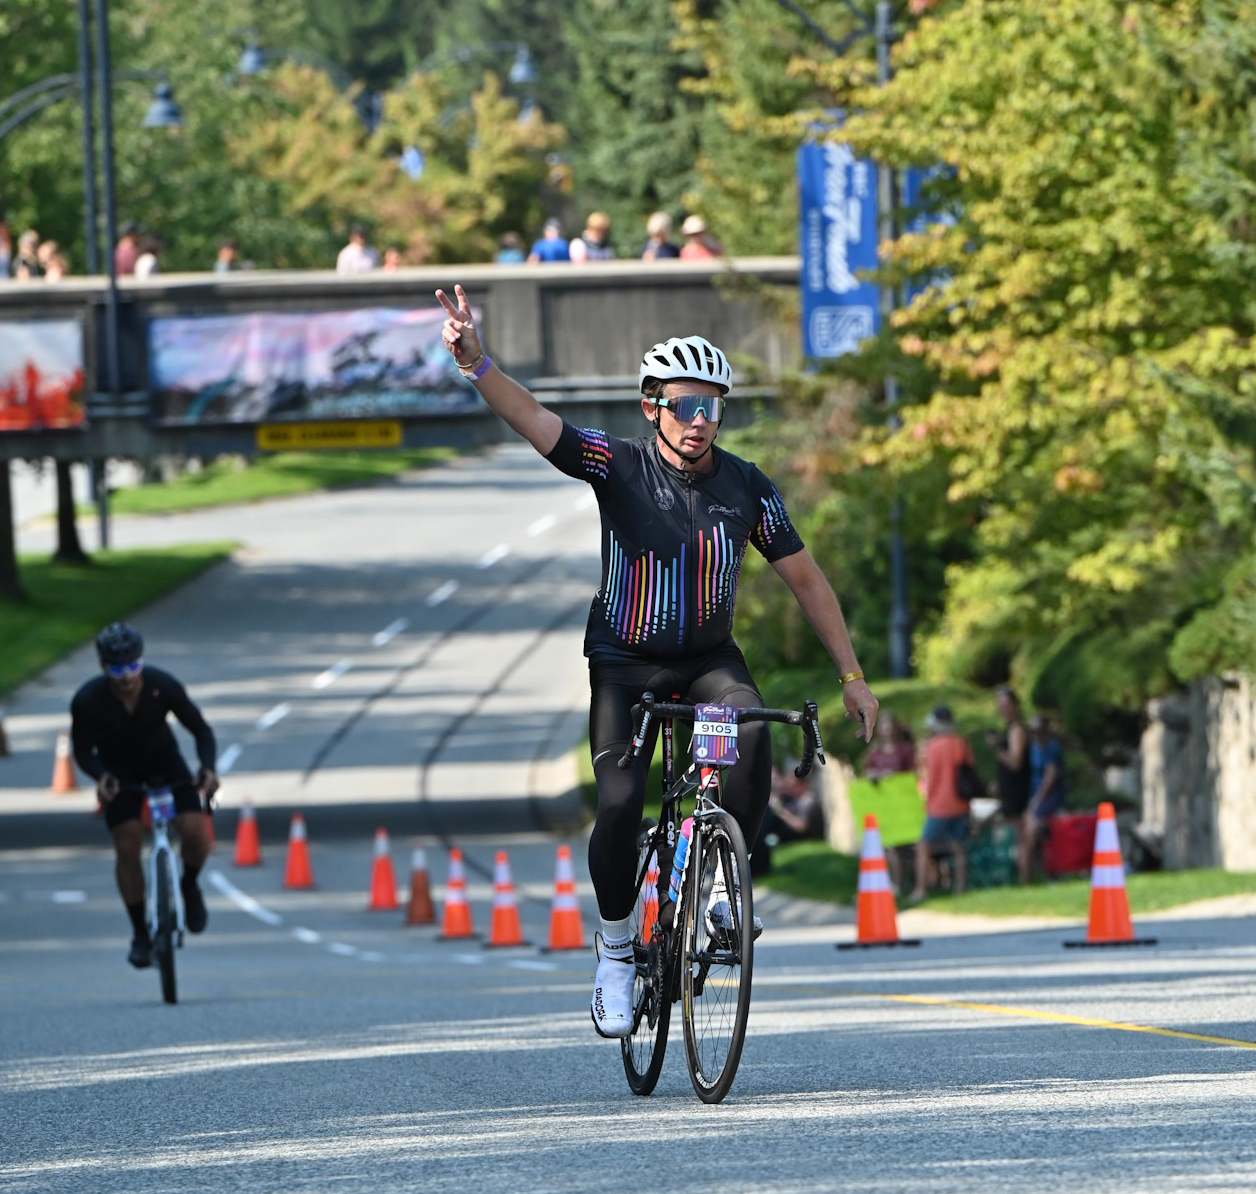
(1149, 891)
(67, 604)
(814, 871)
(229, 480)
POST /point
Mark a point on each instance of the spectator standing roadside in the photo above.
(357, 257)
(26, 267)
(699, 243)
(52, 261)
(510, 250)
(946, 815)
(6, 248)
(892, 750)
(552, 246)
(147, 263)
(593, 244)
(1046, 788)
(1011, 782)
(392, 259)
(659, 245)
(127, 251)
(225, 262)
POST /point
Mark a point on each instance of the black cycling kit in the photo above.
(673, 542)
(139, 747)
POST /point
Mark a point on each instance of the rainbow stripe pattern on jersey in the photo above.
(644, 597)
(595, 452)
(719, 566)
(774, 521)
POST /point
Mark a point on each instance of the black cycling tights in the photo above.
(720, 678)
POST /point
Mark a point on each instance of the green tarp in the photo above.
(897, 803)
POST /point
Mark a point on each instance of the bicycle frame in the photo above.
(162, 854)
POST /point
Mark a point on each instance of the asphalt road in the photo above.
(321, 1047)
(327, 1048)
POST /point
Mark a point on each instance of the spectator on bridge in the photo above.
(699, 244)
(552, 246)
(946, 815)
(593, 244)
(127, 251)
(26, 267)
(228, 250)
(392, 259)
(6, 248)
(658, 244)
(1046, 789)
(510, 250)
(52, 261)
(357, 257)
(147, 263)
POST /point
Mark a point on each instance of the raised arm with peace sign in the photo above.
(505, 396)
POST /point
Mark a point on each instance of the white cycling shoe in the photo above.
(611, 1006)
(719, 915)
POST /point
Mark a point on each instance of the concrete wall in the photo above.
(1198, 764)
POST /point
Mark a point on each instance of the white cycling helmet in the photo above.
(690, 357)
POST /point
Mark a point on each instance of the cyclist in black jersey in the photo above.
(123, 741)
(678, 515)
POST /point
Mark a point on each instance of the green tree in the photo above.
(1088, 333)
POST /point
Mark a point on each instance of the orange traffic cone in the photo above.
(1110, 922)
(456, 923)
(383, 884)
(297, 871)
(420, 910)
(876, 922)
(504, 929)
(63, 778)
(650, 897)
(248, 848)
(566, 931)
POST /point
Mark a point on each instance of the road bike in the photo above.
(682, 950)
(166, 925)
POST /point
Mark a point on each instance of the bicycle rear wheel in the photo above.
(643, 1051)
(717, 964)
(163, 943)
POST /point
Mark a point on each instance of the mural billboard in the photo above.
(263, 366)
(41, 374)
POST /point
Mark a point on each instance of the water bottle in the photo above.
(678, 859)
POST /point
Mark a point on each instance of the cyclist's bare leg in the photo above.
(194, 840)
(128, 841)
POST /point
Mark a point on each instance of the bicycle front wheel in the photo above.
(163, 943)
(643, 1051)
(717, 955)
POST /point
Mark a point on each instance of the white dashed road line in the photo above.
(274, 716)
(446, 591)
(307, 935)
(343, 950)
(390, 632)
(246, 903)
(69, 897)
(542, 525)
(228, 758)
(490, 557)
(333, 673)
(371, 955)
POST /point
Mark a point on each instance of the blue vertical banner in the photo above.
(838, 194)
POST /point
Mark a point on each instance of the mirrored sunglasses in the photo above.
(686, 406)
(125, 669)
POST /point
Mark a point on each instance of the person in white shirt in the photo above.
(357, 257)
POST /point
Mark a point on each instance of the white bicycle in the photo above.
(166, 924)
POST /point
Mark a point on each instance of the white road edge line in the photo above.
(246, 903)
(307, 935)
(390, 632)
(489, 558)
(542, 525)
(228, 758)
(444, 593)
(274, 716)
(333, 673)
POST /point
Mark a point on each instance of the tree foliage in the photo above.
(1088, 332)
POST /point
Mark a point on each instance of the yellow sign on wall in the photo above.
(357, 433)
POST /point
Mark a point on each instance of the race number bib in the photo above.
(161, 805)
(715, 735)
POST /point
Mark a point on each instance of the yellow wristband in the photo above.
(846, 679)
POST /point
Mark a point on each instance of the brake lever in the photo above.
(634, 748)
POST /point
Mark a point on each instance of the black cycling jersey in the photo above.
(135, 746)
(672, 543)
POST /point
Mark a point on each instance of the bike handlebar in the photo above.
(808, 719)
